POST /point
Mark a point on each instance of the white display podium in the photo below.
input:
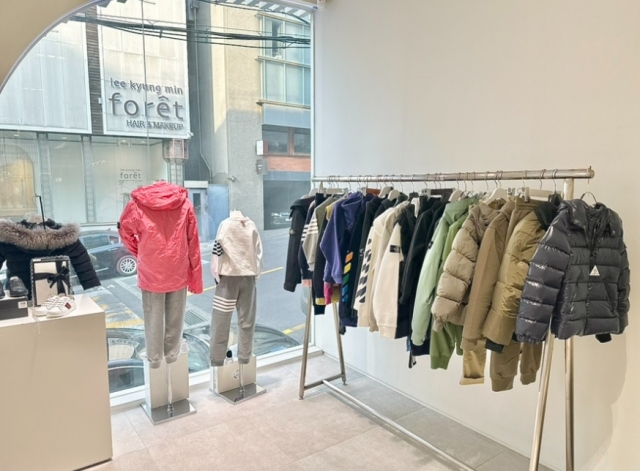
(54, 391)
(159, 406)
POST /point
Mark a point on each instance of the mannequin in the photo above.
(236, 263)
(159, 227)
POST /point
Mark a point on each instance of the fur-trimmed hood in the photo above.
(30, 236)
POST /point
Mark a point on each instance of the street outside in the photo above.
(277, 309)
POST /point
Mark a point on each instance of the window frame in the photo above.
(291, 131)
(284, 63)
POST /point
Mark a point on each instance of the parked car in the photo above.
(109, 252)
(280, 219)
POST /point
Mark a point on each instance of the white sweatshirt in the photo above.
(385, 297)
(376, 244)
(237, 250)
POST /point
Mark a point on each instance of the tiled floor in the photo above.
(277, 431)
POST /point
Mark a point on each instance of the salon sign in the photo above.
(132, 107)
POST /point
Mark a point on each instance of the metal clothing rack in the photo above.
(569, 176)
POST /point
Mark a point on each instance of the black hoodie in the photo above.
(293, 275)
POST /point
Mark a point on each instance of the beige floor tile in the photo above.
(384, 400)
(320, 367)
(278, 431)
(459, 441)
(377, 449)
(136, 461)
(301, 428)
(235, 445)
(125, 438)
(210, 412)
(290, 467)
(509, 461)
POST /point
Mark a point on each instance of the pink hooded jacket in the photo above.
(159, 228)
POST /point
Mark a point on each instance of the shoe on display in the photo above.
(61, 307)
(43, 310)
(17, 288)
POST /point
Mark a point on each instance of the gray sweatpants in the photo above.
(163, 322)
(233, 292)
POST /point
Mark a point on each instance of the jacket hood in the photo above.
(302, 204)
(481, 216)
(457, 209)
(580, 214)
(30, 236)
(546, 212)
(160, 196)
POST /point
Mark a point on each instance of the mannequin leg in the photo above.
(246, 318)
(224, 304)
(174, 310)
(153, 306)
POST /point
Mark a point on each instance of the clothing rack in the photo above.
(569, 176)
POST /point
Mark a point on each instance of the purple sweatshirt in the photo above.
(339, 228)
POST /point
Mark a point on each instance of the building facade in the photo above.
(91, 114)
(95, 111)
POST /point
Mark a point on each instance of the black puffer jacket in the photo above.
(23, 241)
(578, 278)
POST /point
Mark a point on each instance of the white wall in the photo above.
(447, 86)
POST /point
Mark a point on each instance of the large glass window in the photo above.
(287, 77)
(105, 104)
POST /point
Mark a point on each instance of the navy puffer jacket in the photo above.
(578, 279)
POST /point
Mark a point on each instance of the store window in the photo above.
(103, 105)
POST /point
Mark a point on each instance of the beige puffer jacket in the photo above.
(501, 320)
(452, 292)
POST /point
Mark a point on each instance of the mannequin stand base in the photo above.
(162, 414)
(236, 396)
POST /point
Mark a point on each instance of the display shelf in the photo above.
(55, 391)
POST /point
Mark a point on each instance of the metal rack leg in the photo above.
(568, 361)
(336, 319)
(305, 351)
(542, 404)
(305, 346)
(568, 368)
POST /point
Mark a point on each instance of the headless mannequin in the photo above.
(236, 263)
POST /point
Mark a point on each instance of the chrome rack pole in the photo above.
(305, 351)
(543, 393)
(336, 320)
(545, 174)
(568, 372)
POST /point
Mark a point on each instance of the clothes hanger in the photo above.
(499, 192)
(425, 190)
(457, 194)
(539, 193)
(588, 192)
(386, 190)
(395, 193)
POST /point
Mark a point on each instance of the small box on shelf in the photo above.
(13, 308)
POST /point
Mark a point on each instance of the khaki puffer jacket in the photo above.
(501, 320)
(452, 293)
